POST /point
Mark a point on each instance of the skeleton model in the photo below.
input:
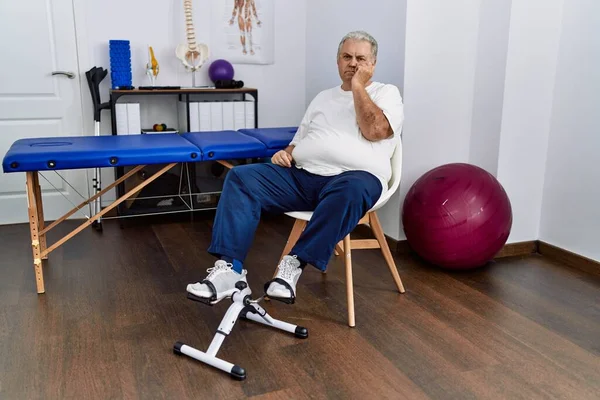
(192, 55)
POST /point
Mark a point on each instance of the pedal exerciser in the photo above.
(242, 306)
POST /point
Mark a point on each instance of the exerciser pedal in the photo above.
(242, 306)
(203, 300)
(286, 300)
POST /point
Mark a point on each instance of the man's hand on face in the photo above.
(282, 158)
(364, 73)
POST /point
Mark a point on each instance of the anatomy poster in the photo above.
(242, 31)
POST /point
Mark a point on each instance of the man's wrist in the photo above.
(358, 87)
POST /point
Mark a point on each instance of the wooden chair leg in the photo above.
(387, 254)
(349, 283)
(339, 248)
(299, 226)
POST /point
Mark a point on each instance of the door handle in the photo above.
(70, 75)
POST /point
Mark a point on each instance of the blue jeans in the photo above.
(338, 203)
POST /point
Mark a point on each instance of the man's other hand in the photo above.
(282, 158)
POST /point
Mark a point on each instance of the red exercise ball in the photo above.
(457, 216)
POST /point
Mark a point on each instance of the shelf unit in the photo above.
(204, 179)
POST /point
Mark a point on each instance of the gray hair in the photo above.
(360, 35)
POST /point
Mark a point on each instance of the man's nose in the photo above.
(352, 61)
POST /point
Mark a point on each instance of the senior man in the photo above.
(337, 165)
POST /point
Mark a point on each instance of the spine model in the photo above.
(191, 54)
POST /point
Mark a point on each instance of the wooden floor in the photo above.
(115, 304)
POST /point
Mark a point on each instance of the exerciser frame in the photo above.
(242, 306)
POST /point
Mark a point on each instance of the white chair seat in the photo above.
(303, 215)
(307, 215)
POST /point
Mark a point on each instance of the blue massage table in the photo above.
(62, 153)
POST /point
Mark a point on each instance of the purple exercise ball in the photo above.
(457, 216)
(220, 70)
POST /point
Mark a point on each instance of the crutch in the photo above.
(94, 77)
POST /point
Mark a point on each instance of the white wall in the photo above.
(161, 25)
(282, 85)
(518, 97)
(483, 82)
(529, 88)
(570, 216)
(488, 94)
(441, 63)
(327, 22)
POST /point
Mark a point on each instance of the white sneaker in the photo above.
(221, 279)
(289, 271)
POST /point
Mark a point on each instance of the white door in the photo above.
(37, 38)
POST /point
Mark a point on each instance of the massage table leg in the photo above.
(40, 209)
(33, 197)
(36, 220)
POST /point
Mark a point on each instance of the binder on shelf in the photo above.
(182, 117)
(204, 115)
(121, 117)
(128, 118)
(208, 116)
(194, 117)
(216, 115)
(249, 108)
(133, 118)
(228, 116)
(239, 116)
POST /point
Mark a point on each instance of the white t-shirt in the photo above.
(329, 140)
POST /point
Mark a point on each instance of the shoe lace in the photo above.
(286, 268)
(219, 267)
